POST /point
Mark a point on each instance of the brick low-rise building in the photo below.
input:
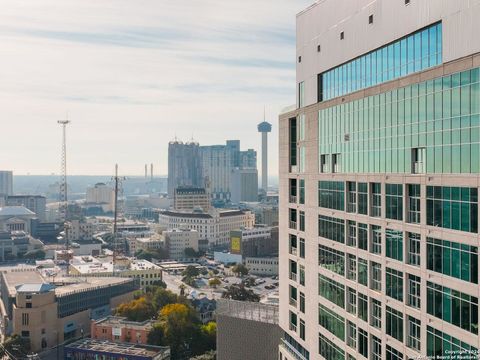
(119, 329)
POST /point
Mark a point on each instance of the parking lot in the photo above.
(263, 286)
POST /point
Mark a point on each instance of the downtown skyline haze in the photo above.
(133, 75)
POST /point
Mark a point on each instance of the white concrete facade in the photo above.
(214, 226)
(263, 266)
(322, 23)
(177, 240)
(244, 185)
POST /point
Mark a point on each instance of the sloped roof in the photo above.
(15, 211)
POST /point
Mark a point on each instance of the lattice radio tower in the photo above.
(116, 248)
(63, 208)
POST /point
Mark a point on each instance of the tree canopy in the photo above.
(214, 282)
(140, 309)
(177, 323)
(240, 269)
(15, 346)
(190, 271)
(239, 292)
(149, 255)
(191, 253)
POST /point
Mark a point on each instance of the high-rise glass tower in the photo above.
(184, 166)
(6, 182)
(379, 179)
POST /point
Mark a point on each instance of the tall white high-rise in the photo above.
(379, 182)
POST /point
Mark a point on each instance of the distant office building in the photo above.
(6, 182)
(184, 166)
(47, 315)
(243, 185)
(247, 159)
(147, 272)
(256, 241)
(80, 230)
(266, 214)
(89, 247)
(35, 203)
(214, 226)
(86, 349)
(262, 266)
(46, 231)
(6, 246)
(247, 330)
(190, 198)
(16, 218)
(119, 329)
(150, 244)
(218, 162)
(177, 240)
(145, 206)
(101, 194)
(16, 244)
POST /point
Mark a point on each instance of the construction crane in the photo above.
(63, 206)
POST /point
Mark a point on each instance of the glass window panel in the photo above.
(425, 48)
(432, 45)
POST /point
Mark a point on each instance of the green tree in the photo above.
(140, 309)
(156, 284)
(159, 254)
(190, 271)
(190, 253)
(214, 282)
(156, 335)
(239, 292)
(209, 335)
(162, 297)
(240, 270)
(190, 281)
(16, 346)
(144, 255)
(180, 326)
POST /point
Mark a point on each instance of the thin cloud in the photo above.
(133, 74)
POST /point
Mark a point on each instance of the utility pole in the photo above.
(63, 208)
(117, 181)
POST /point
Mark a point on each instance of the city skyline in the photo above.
(134, 77)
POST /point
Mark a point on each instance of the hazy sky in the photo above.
(132, 74)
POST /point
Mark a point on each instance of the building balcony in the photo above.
(293, 251)
(293, 302)
(293, 225)
(293, 327)
(293, 276)
(291, 350)
(293, 199)
(418, 168)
